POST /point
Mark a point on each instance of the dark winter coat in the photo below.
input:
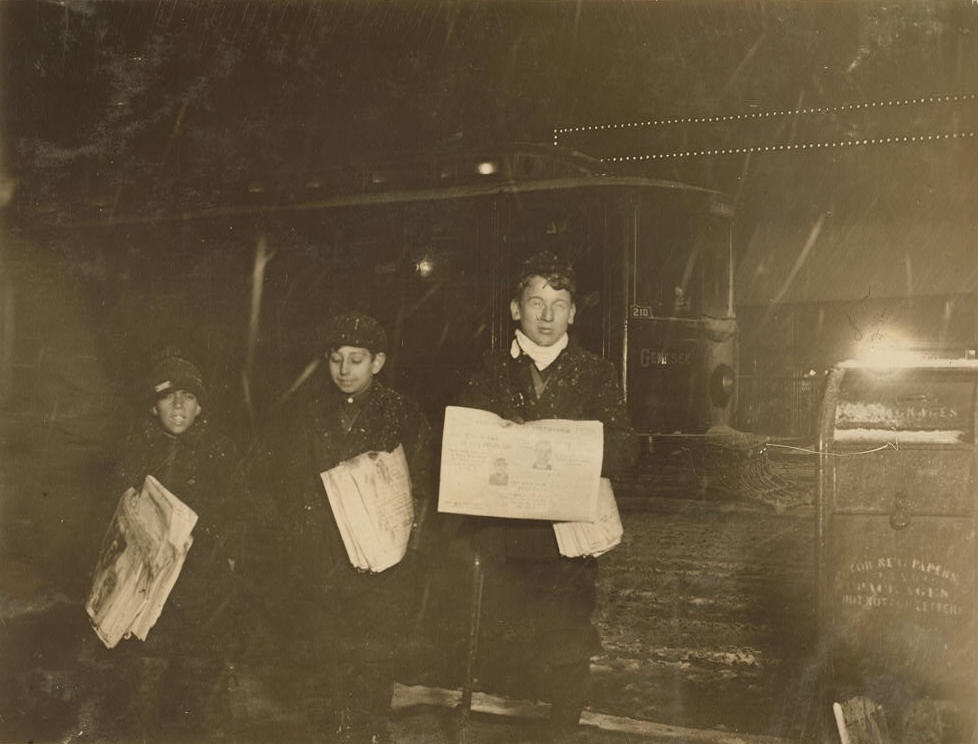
(538, 604)
(317, 442)
(202, 468)
(580, 386)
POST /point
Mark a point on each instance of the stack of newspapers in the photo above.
(592, 538)
(142, 554)
(370, 496)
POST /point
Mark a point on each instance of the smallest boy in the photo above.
(357, 622)
(175, 682)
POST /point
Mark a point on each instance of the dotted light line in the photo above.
(784, 148)
(763, 114)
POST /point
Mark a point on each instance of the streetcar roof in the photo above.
(404, 196)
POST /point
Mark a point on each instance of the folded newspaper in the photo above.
(595, 538)
(546, 469)
(142, 554)
(370, 496)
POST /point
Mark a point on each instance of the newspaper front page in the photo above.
(492, 467)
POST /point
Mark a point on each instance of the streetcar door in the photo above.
(681, 339)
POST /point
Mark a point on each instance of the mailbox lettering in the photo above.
(940, 608)
(913, 585)
(934, 569)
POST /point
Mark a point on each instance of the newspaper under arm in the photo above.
(141, 557)
(370, 497)
(575, 539)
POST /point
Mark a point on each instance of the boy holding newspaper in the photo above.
(530, 586)
(173, 683)
(356, 474)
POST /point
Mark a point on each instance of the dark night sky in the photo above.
(183, 90)
(135, 108)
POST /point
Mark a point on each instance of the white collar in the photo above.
(542, 356)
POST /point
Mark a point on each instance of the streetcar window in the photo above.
(714, 276)
(681, 262)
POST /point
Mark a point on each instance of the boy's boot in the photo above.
(315, 698)
(215, 721)
(144, 716)
(195, 707)
(369, 702)
(569, 691)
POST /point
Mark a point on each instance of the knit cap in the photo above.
(172, 373)
(354, 329)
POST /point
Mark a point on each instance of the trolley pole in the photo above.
(478, 578)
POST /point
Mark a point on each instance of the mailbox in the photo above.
(896, 548)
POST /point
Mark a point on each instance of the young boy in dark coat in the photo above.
(180, 686)
(353, 624)
(547, 599)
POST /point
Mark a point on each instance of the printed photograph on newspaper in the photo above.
(497, 468)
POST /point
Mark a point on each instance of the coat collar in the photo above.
(503, 361)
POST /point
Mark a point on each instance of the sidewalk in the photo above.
(428, 715)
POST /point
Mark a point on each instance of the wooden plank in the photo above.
(408, 696)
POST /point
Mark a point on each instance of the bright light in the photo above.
(886, 348)
(425, 267)
(487, 168)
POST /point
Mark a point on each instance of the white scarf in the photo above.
(542, 356)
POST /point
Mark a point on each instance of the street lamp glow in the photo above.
(886, 348)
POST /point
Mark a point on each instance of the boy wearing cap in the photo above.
(548, 599)
(180, 668)
(355, 623)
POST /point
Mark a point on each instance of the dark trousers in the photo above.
(160, 698)
(172, 687)
(540, 611)
(184, 696)
(353, 636)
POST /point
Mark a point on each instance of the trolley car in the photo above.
(428, 245)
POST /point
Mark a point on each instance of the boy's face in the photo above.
(353, 368)
(177, 411)
(543, 312)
